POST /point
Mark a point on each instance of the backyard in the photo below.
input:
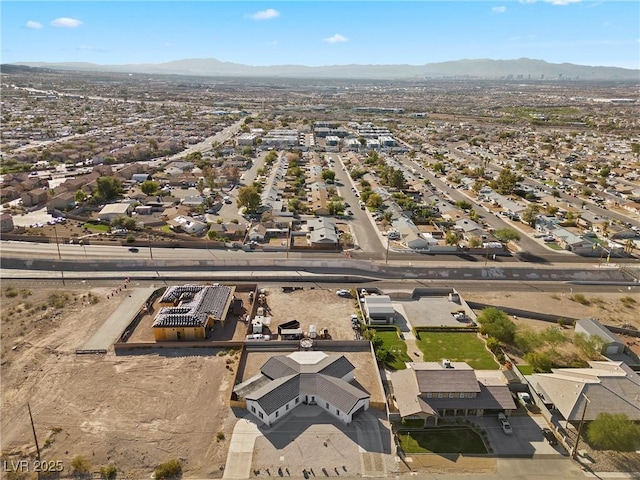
(448, 439)
(396, 347)
(458, 347)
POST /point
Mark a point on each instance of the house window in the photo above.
(260, 415)
(277, 414)
(440, 395)
(253, 409)
(428, 394)
(451, 394)
(297, 400)
(337, 412)
(327, 406)
(286, 406)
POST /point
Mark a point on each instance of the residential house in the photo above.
(187, 311)
(409, 233)
(305, 377)
(6, 222)
(322, 232)
(113, 210)
(186, 224)
(584, 393)
(34, 197)
(63, 201)
(430, 391)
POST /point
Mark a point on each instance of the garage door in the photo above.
(612, 349)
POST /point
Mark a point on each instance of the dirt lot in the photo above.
(608, 308)
(320, 307)
(131, 411)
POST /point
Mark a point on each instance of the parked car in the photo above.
(525, 399)
(504, 424)
(550, 436)
(343, 293)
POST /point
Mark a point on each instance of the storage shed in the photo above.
(591, 327)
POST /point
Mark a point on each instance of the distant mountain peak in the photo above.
(482, 68)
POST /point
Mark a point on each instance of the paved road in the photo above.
(240, 455)
(111, 329)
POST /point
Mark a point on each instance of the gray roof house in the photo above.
(305, 377)
(429, 391)
(611, 387)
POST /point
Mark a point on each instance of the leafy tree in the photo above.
(506, 235)
(614, 431)
(451, 238)
(438, 167)
(463, 205)
(396, 179)
(124, 222)
(475, 242)
(108, 188)
(247, 151)
(506, 182)
(531, 213)
(80, 196)
(249, 197)
(200, 186)
(495, 323)
(271, 157)
(149, 187)
(540, 361)
(328, 176)
(528, 340)
(335, 208)
(374, 201)
(590, 346)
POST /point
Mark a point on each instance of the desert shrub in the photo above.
(168, 469)
(580, 298)
(614, 432)
(11, 293)
(80, 465)
(108, 472)
(220, 436)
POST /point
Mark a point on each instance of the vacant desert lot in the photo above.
(131, 411)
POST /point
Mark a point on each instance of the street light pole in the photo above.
(150, 251)
(386, 257)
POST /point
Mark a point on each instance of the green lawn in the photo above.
(98, 227)
(525, 369)
(457, 347)
(554, 246)
(397, 347)
(449, 439)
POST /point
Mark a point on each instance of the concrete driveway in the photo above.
(526, 441)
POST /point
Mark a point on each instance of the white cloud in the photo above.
(33, 25)
(66, 22)
(267, 14)
(501, 9)
(337, 38)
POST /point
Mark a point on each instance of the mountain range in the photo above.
(519, 69)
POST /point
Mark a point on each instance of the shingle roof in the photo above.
(197, 304)
(440, 379)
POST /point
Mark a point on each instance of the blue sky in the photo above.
(335, 32)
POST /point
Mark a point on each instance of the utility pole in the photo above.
(35, 437)
(584, 411)
(150, 251)
(55, 230)
(386, 257)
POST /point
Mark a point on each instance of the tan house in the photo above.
(430, 391)
(34, 197)
(6, 223)
(189, 310)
